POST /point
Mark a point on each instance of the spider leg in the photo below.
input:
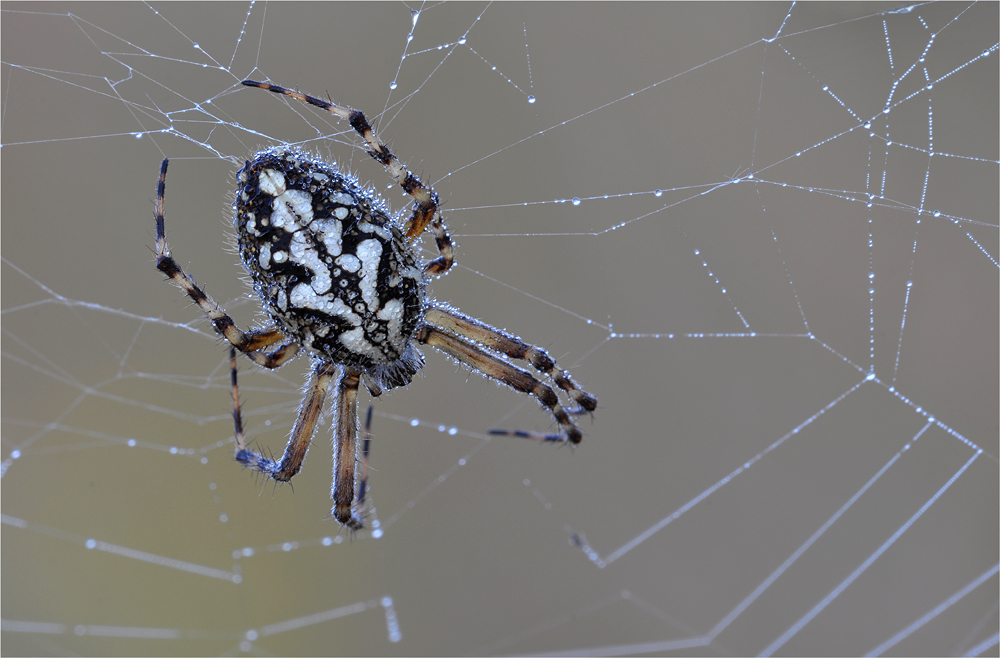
(345, 446)
(270, 360)
(365, 448)
(501, 370)
(345, 436)
(426, 206)
(534, 436)
(498, 340)
(241, 442)
(302, 432)
(250, 342)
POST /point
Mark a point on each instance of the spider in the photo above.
(341, 281)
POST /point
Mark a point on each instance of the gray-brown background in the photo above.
(477, 557)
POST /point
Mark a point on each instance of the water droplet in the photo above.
(392, 85)
(921, 59)
(871, 275)
(826, 88)
(377, 533)
(462, 40)
(531, 99)
(137, 135)
(937, 213)
(930, 85)
(576, 201)
(888, 142)
(657, 192)
(885, 110)
(196, 46)
(868, 124)
(869, 204)
(986, 53)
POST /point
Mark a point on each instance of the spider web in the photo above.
(764, 236)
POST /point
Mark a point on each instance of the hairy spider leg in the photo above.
(498, 340)
(345, 446)
(345, 436)
(365, 449)
(249, 343)
(495, 367)
(427, 205)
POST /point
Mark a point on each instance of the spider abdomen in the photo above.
(329, 264)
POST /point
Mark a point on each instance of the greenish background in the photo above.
(755, 442)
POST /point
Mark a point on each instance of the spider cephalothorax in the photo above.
(331, 268)
(339, 279)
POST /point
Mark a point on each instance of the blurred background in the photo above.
(763, 235)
